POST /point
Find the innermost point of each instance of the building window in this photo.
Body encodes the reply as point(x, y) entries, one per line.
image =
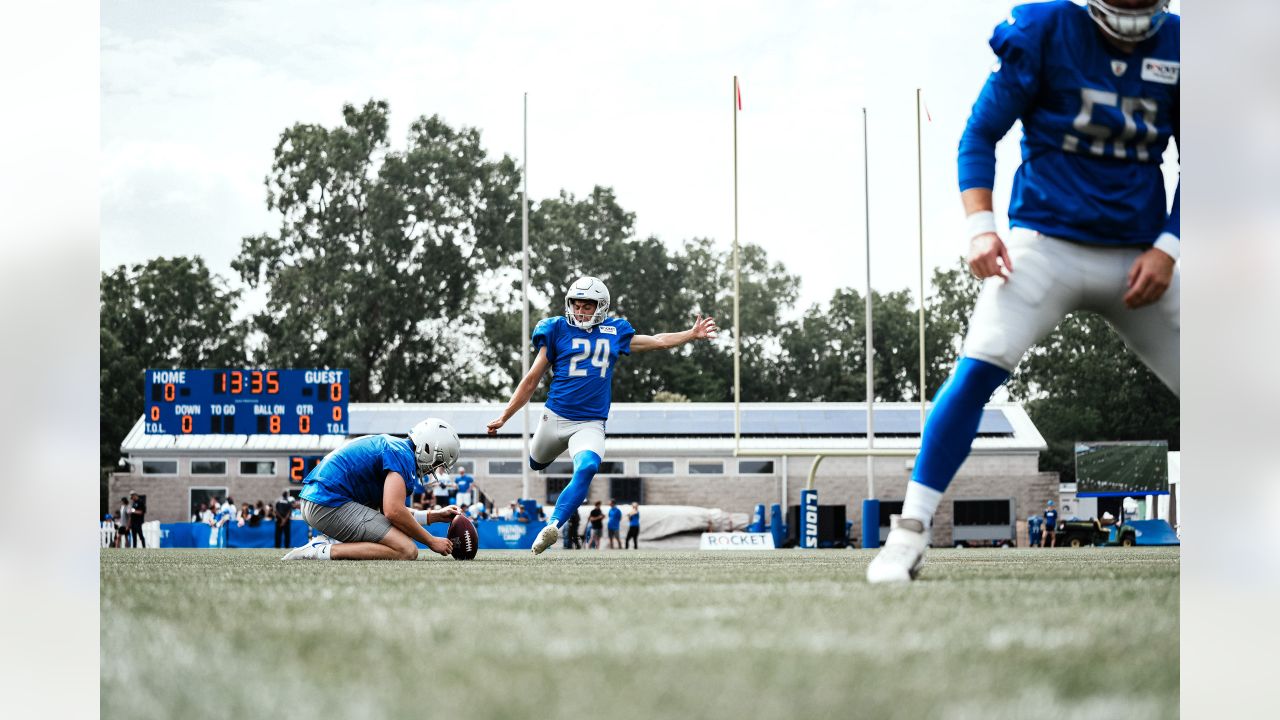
point(257, 467)
point(470, 465)
point(504, 467)
point(555, 486)
point(703, 467)
point(980, 512)
point(657, 467)
point(198, 496)
point(208, 467)
point(755, 467)
point(612, 467)
point(159, 467)
point(625, 491)
point(560, 467)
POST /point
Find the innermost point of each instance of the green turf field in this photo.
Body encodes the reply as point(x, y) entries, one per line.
point(1059, 633)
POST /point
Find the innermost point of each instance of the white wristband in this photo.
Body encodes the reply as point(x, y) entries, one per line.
point(1168, 244)
point(980, 223)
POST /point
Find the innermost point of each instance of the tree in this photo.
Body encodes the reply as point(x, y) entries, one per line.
point(166, 313)
point(375, 264)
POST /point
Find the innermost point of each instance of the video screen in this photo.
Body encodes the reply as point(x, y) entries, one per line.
point(1122, 468)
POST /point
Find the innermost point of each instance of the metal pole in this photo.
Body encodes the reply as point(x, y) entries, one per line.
point(524, 291)
point(784, 486)
point(920, 223)
point(870, 351)
point(737, 328)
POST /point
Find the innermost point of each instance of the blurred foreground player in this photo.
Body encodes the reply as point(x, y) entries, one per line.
point(582, 346)
point(359, 496)
point(1096, 89)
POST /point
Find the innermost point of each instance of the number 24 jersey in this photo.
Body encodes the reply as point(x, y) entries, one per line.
point(582, 364)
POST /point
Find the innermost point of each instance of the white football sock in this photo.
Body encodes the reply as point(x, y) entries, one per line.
point(323, 552)
point(921, 503)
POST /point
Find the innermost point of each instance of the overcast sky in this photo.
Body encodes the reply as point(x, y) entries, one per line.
point(196, 94)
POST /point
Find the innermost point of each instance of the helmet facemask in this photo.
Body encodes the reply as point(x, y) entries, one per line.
point(1131, 25)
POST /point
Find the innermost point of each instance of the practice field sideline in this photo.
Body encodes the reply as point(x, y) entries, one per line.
point(1021, 633)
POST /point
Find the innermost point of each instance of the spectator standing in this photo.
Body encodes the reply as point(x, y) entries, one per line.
point(441, 492)
point(122, 524)
point(615, 525)
point(284, 520)
point(137, 516)
point(464, 482)
point(572, 538)
point(633, 526)
point(596, 519)
point(1050, 525)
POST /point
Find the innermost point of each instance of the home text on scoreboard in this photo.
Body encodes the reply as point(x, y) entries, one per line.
point(245, 402)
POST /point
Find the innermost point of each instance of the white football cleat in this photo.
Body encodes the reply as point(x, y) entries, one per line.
point(900, 559)
point(545, 539)
point(310, 551)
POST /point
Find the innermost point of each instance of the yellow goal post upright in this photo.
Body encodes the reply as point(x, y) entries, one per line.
point(871, 536)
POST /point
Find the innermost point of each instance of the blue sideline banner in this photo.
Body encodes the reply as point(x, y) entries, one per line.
point(809, 519)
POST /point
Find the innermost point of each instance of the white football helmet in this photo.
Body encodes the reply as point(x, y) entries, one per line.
point(435, 447)
point(1129, 24)
point(587, 288)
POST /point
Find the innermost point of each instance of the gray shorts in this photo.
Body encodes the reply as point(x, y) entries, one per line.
point(555, 434)
point(351, 522)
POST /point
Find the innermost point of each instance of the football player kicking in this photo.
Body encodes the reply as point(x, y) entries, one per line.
point(582, 346)
point(1096, 89)
point(359, 494)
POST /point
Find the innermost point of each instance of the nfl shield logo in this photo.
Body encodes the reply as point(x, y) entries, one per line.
point(1118, 67)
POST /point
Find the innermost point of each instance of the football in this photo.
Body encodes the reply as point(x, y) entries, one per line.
point(466, 543)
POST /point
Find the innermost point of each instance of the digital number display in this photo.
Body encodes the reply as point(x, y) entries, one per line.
point(245, 402)
point(301, 465)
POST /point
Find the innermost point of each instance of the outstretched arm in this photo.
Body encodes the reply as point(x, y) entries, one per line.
point(703, 329)
point(524, 390)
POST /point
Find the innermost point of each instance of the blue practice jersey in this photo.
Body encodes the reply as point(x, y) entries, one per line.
point(615, 518)
point(582, 364)
point(1095, 123)
point(464, 483)
point(356, 472)
point(1051, 519)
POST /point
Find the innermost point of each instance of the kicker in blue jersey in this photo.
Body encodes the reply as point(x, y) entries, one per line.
point(582, 364)
point(1096, 121)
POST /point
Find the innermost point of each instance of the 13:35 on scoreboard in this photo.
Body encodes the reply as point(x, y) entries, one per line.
point(245, 401)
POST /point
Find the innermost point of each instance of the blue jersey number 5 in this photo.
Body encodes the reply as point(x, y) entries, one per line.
point(599, 359)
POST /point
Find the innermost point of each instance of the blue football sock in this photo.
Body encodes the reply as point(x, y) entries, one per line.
point(953, 422)
point(585, 465)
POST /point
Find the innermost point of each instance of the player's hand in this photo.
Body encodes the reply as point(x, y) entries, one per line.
point(986, 253)
point(447, 513)
point(704, 328)
point(1149, 276)
point(439, 545)
point(494, 424)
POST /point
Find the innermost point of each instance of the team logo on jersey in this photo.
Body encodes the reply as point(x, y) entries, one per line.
point(608, 330)
point(1118, 67)
point(1160, 71)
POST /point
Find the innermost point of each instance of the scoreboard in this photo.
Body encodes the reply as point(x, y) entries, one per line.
point(301, 465)
point(245, 402)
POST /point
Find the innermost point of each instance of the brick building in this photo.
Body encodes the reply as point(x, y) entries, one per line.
point(665, 454)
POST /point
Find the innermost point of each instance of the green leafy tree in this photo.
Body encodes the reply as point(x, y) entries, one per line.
point(165, 313)
point(375, 264)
